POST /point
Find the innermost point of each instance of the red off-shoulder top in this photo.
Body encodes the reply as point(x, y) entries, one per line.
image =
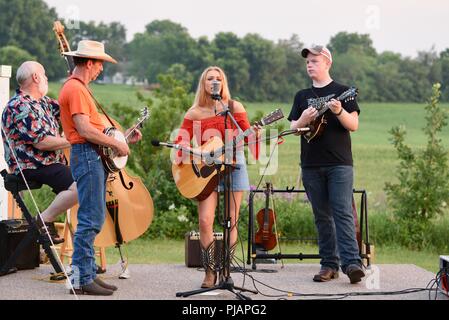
point(207, 128)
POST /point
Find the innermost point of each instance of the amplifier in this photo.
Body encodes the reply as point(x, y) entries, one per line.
point(443, 284)
point(193, 250)
point(11, 234)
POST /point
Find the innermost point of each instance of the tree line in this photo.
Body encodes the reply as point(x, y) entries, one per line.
point(258, 69)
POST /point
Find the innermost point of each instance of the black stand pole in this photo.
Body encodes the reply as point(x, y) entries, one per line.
point(252, 250)
point(226, 283)
point(14, 186)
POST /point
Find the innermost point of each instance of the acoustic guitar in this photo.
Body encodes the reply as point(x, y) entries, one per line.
point(317, 126)
point(198, 179)
point(266, 217)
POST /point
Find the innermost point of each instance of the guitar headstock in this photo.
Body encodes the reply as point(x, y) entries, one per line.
point(63, 44)
point(144, 115)
point(269, 187)
point(270, 118)
point(58, 28)
point(349, 94)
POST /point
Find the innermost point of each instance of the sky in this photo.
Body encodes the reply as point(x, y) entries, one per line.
point(401, 26)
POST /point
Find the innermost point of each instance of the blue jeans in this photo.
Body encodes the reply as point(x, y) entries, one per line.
point(88, 172)
point(329, 190)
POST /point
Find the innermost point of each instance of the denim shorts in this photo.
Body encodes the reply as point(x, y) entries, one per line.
point(239, 175)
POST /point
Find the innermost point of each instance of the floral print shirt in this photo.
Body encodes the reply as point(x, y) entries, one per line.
point(25, 122)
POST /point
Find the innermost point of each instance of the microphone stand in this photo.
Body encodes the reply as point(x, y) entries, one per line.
point(226, 283)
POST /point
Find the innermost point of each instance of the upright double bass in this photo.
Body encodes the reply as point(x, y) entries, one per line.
point(129, 205)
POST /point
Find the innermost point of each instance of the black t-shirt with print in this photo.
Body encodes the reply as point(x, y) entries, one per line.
point(333, 147)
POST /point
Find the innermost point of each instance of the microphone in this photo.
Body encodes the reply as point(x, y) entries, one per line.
point(299, 131)
point(302, 130)
point(216, 90)
point(157, 143)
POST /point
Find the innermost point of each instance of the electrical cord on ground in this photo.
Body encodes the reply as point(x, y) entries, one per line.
point(338, 296)
point(436, 285)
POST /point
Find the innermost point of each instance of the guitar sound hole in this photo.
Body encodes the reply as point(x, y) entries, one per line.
point(206, 171)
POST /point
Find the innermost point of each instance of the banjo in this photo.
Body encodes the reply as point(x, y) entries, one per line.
point(111, 161)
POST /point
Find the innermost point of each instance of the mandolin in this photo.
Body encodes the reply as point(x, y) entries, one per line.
point(266, 217)
point(317, 126)
point(197, 180)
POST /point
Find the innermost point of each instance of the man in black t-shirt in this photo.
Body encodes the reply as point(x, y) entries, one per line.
point(326, 162)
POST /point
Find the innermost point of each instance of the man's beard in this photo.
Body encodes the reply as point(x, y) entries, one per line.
point(43, 88)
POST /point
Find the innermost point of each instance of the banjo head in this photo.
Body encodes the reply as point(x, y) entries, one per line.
point(116, 163)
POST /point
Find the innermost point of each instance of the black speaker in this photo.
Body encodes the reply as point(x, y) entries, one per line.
point(12, 233)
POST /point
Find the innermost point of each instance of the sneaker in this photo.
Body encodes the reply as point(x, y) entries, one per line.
point(355, 273)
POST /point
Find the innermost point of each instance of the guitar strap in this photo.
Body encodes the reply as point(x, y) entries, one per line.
point(231, 106)
point(96, 148)
point(95, 100)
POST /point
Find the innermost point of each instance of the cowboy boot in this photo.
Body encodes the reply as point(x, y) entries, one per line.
point(231, 257)
point(208, 260)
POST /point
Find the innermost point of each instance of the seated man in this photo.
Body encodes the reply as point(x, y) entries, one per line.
point(32, 142)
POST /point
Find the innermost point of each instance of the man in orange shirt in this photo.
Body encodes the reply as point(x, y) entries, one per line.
point(84, 130)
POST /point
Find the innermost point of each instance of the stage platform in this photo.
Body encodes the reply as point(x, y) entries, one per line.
point(163, 281)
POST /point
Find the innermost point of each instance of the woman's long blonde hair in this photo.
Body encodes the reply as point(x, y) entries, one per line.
point(202, 97)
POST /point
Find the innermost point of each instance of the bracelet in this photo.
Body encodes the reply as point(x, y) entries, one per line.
point(337, 114)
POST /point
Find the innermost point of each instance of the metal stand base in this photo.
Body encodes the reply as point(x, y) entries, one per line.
point(227, 284)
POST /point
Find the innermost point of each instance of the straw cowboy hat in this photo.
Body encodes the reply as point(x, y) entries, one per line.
point(91, 49)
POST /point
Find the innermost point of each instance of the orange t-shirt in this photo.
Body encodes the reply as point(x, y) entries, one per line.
point(74, 98)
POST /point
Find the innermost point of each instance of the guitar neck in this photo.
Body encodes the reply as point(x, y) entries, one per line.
point(267, 204)
point(131, 132)
point(272, 117)
point(70, 64)
point(235, 141)
point(325, 108)
point(64, 47)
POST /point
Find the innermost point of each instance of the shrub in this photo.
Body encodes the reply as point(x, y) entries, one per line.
point(423, 188)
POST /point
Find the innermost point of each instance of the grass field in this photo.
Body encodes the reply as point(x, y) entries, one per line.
point(375, 163)
point(108, 94)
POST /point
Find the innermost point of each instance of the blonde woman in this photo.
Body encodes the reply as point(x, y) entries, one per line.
point(202, 122)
